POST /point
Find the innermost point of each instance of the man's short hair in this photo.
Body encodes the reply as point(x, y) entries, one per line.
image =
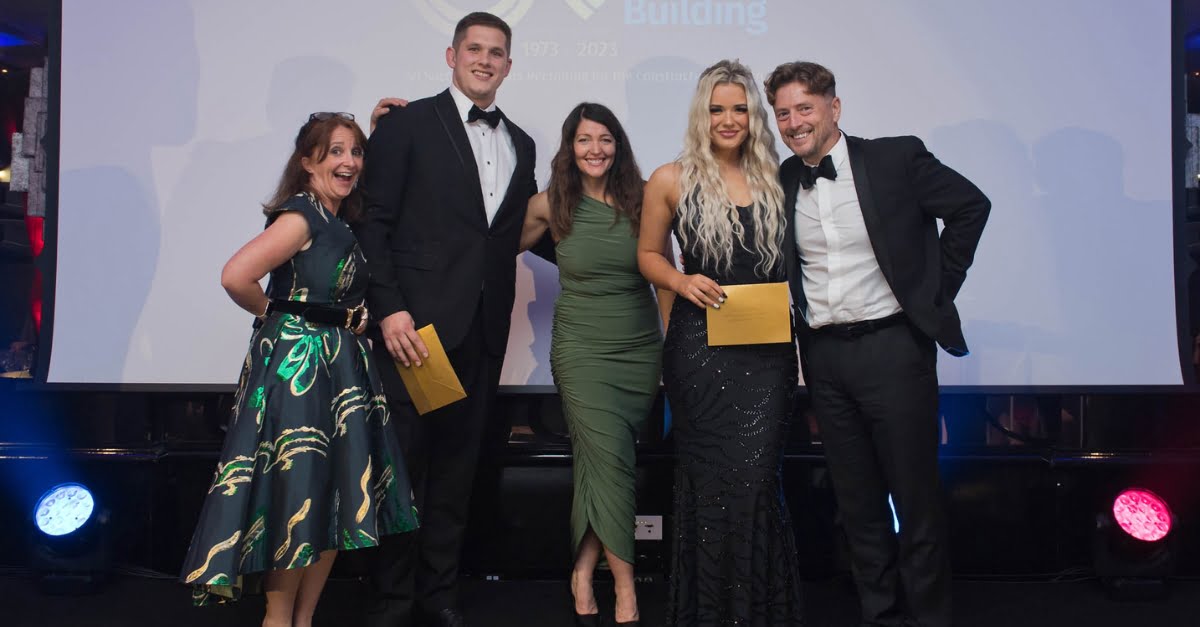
point(481, 18)
point(816, 79)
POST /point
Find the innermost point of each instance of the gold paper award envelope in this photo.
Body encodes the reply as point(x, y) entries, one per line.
point(751, 314)
point(434, 384)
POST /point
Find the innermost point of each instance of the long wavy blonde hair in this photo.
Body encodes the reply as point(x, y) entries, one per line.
point(704, 202)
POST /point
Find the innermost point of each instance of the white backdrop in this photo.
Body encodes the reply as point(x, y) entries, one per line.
point(177, 118)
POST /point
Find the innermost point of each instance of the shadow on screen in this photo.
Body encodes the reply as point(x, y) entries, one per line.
point(105, 296)
point(200, 209)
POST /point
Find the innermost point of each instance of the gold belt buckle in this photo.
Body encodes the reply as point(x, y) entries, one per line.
point(361, 309)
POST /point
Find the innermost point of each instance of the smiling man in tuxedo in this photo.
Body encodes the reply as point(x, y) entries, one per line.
point(874, 284)
point(447, 184)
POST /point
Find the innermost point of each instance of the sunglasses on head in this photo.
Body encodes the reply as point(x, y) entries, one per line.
point(321, 116)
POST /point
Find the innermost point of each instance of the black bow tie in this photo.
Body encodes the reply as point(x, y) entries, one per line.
point(492, 117)
point(809, 176)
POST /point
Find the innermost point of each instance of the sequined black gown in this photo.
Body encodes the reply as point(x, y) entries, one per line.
point(734, 561)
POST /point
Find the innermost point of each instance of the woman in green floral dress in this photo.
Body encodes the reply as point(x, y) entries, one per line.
point(309, 465)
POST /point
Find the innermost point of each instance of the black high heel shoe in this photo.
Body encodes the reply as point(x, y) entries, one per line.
point(632, 623)
point(588, 620)
point(583, 620)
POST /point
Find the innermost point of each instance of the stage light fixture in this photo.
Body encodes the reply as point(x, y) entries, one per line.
point(1142, 514)
point(64, 509)
point(1133, 549)
point(70, 549)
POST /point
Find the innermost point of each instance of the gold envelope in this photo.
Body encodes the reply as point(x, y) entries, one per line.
point(434, 384)
point(757, 313)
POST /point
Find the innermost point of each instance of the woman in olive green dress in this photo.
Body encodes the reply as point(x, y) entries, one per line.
point(606, 345)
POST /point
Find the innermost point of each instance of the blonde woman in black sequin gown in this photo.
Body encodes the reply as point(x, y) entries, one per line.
point(734, 561)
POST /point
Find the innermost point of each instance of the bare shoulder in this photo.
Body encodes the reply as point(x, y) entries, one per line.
point(666, 174)
point(664, 183)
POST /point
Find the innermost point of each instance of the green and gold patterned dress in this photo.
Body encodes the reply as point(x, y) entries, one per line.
point(606, 355)
point(309, 462)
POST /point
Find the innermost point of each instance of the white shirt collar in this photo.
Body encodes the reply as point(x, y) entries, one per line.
point(463, 103)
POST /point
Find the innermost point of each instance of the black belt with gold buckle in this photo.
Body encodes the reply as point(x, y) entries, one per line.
point(320, 314)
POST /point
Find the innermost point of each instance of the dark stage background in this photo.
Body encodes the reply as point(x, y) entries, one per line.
point(1024, 476)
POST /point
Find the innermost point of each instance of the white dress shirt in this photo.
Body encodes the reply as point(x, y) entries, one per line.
point(842, 279)
point(495, 154)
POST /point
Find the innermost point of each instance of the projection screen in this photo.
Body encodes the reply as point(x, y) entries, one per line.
point(176, 119)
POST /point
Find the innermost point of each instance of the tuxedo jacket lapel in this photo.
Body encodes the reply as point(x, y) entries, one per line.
point(448, 115)
point(866, 201)
point(791, 251)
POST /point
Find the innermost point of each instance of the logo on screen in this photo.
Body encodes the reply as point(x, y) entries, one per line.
point(584, 8)
point(749, 15)
point(444, 16)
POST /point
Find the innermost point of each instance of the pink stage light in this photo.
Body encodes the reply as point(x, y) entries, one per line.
point(1142, 514)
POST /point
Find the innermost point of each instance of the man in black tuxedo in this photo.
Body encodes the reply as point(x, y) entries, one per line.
point(874, 285)
point(447, 183)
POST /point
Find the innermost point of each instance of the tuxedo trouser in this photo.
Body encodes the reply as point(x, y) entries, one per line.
point(418, 571)
point(875, 398)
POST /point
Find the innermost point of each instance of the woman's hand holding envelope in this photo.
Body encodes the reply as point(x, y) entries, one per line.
point(701, 290)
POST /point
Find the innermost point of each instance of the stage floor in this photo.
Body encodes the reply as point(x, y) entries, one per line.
point(136, 602)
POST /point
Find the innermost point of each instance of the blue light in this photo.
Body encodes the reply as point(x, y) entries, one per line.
point(895, 518)
point(9, 39)
point(63, 509)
